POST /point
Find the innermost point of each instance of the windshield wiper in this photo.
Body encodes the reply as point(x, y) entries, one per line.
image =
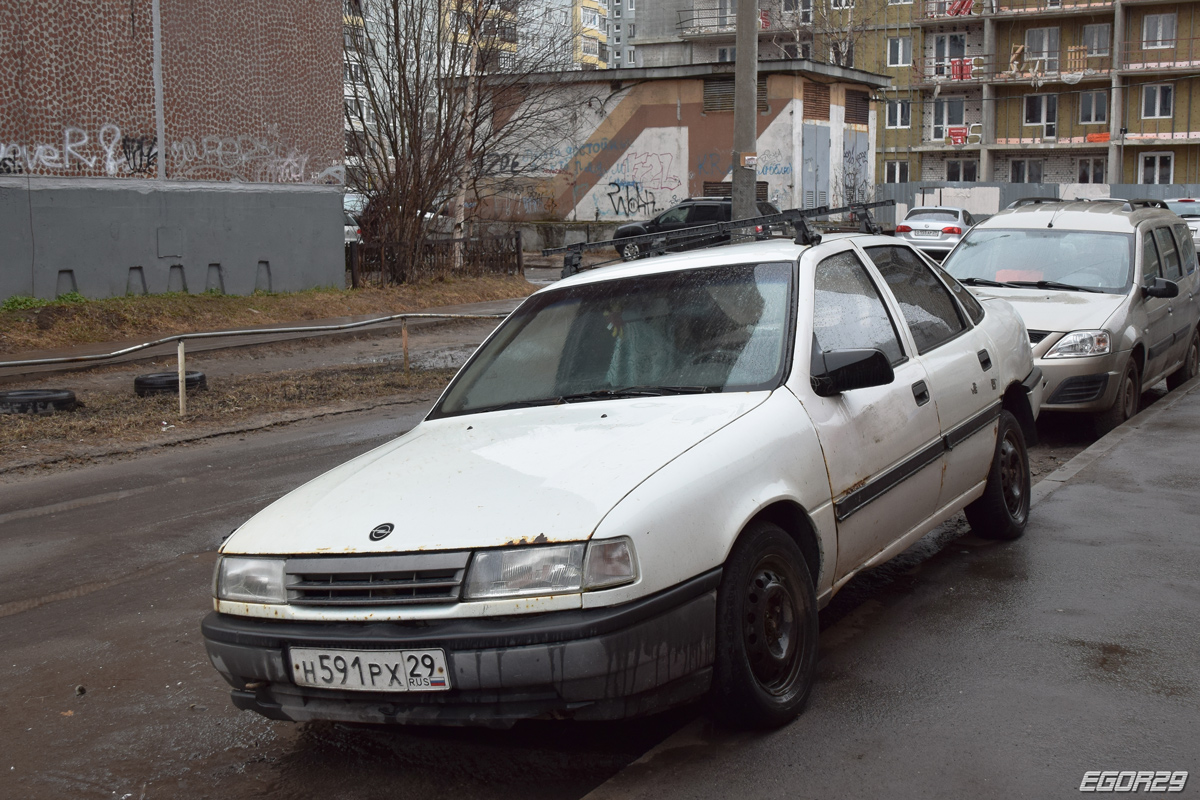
point(635, 391)
point(983, 282)
point(1070, 287)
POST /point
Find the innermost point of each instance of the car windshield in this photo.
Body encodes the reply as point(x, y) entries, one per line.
point(932, 215)
point(701, 330)
point(1041, 257)
point(1184, 208)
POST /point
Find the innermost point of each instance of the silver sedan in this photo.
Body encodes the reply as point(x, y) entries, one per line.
point(935, 229)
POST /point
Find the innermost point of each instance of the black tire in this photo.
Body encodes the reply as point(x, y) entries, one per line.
point(168, 383)
point(1003, 510)
point(37, 401)
point(1129, 393)
point(631, 251)
point(766, 631)
point(1190, 366)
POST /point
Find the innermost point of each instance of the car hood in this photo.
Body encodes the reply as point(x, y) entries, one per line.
point(1056, 311)
point(484, 480)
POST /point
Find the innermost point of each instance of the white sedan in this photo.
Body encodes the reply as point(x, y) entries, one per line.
point(638, 491)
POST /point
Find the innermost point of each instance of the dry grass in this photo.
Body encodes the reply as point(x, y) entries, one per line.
point(119, 421)
point(153, 316)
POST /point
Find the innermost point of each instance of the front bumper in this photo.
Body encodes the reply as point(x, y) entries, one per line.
point(603, 663)
point(1082, 384)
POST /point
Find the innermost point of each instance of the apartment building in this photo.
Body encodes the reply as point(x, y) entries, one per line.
point(1022, 91)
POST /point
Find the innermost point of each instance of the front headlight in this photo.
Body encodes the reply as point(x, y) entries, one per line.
point(554, 569)
point(249, 580)
point(1081, 343)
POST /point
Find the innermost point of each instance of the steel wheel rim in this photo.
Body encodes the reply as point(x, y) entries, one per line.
point(1012, 476)
point(1193, 360)
point(771, 626)
point(1129, 392)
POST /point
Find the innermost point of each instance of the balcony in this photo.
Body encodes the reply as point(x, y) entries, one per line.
point(703, 22)
point(1170, 55)
point(945, 10)
point(1071, 65)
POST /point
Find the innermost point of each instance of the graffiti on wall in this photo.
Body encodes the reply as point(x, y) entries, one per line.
point(630, 199)
point(115, 153)
point(646, 170)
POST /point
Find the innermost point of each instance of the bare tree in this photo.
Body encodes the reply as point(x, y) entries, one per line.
point(822, 30)
point(439, 96)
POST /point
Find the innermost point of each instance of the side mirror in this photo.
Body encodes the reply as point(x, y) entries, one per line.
point(1161, 288)
point(838, 371)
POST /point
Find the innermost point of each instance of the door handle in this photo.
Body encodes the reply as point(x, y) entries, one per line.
point(920, 392)
point(985, 360)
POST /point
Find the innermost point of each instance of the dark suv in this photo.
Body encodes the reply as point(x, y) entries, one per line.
point(688, 214)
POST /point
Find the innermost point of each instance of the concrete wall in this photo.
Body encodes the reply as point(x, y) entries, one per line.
point(104, 240)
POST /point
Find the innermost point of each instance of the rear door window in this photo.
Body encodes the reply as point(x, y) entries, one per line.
point(1168, 254)
point(705, 213)
point(1187, 246)
point(931, 313)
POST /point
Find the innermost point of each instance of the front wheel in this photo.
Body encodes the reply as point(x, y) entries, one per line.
point(766, 631)
point(1003, 510)
point(631, 251)
point(1190, 366)
point(1129, 392)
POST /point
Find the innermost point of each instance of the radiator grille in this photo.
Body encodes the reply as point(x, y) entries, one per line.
point(410, 579)
point(1037, 336)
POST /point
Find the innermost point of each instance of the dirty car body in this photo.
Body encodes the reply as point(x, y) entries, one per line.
point(639, 490)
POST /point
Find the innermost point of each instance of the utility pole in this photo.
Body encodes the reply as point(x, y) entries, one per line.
point(745, 111)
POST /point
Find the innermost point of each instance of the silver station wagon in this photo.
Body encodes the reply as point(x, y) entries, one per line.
point(1108, 290)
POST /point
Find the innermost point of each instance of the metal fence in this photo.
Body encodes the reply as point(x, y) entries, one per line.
point(386, 263)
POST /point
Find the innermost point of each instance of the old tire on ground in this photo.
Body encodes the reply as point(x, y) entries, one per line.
point(1129, 393)
point(1003, 509)
point(37, 401)
point(766, 631)
point(631, 251)
point(168, 383)
point(1190, 366)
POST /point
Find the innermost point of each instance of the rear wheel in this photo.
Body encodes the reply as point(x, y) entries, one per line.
point(1190, 366)
point(630, 251)
point(1003, 510)
point(1129, 392)
point(766, 631)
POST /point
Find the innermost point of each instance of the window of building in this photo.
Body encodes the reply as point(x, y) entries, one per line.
point(1096, 38)
point(353, 38)
point(1157, 168)
point(1025, 170)
point(1042, 110)
point(803, 8)
point(629, 56)
point(1093, 108)
point(590, 17)
point(947, 112)
point(354, 72)
point(629, 5)
point(1158, 101)
point(898, 114)
point(900, 2)
point(899, 51)
point(590, 46)
point(1158, 31)
point(841, 3)
point(962, 169)
point(895, 172)
point(1092, 170)
point(947, 47)
point(632, 30)
point(726, 54)
point(617, 12)
point(1041, 44)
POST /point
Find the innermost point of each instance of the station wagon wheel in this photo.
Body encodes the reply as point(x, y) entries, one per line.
point(631, 251)
point(766, 631)
point(1003, 509)
point(1129, 393)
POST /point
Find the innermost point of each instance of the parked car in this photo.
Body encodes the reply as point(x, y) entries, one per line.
point(690, 213)
point(1188, 208)
point(934, 229)
point(1108, 290)
point(353, 231)
point(639, 490)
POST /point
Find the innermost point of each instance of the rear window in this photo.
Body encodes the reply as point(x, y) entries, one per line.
point(1185, 208)
point(932, 215)
point(1088, 259)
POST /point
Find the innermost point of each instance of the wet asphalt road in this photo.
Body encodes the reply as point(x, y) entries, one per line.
point(963, 668)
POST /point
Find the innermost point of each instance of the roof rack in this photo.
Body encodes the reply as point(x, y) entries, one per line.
point(657, 243)
point(1143, 202)
point(1033, 201)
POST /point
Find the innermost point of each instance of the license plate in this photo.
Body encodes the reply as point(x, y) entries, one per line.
point(927, 233)
point(371, 670)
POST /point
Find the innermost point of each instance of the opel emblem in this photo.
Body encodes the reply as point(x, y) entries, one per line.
point(382, 531)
